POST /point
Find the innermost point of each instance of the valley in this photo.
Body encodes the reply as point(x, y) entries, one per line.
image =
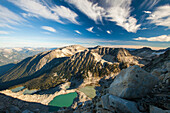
point(89, 76)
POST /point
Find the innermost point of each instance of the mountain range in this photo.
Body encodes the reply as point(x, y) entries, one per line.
point(73, 63)
point(14, 55)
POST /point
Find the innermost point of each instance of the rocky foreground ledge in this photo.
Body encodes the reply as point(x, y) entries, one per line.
point(132, 91)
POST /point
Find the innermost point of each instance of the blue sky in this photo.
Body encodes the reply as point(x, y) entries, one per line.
point(56, 23)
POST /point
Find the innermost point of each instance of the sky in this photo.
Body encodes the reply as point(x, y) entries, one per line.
point(57, 23)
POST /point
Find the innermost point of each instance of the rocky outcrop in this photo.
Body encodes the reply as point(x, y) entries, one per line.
point(154, 109)
point(111, 102)
point(132, 82)
point(155, 101)
point(160, 62)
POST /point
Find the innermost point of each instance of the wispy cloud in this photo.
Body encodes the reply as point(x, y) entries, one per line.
point(161, 16)
point(8, 18)
point(77, 32)
point(148, 12)
point(39, 8)
point(90, 29)
point(26, 15)
point(162, 38)
point(48, 28)
point(109, 32)
point(4, 32)
point(93, 11)
point(112, 10)
point(149, 4)
point(119, 11)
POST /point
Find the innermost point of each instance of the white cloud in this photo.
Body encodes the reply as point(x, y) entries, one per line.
point(8, 18)
point(161, 16)
point(42, 9)
point(26, 15)
point(149, 4)
point(77, 32)
point(51, 29)
point(162, 38)
point(93, 11)
point(4, 32)
point(109, 32)
point(148, 12)
point(144, 28)
point(112, 10)
point(90, 29)
point(119, 11)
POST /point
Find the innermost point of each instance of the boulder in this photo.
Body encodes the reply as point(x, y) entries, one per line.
point(105, 101)
point(154, 109)
point(14, 109)
point(133, 82)
point(119, 105)
point(27, 111)
point(122, 105)
point(156, 72)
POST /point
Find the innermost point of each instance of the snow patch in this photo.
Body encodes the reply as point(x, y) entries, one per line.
point(159, 53)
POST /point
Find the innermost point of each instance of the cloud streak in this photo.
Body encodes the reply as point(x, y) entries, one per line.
point(4, 32)
point(8, 18)
point(78, 32)
point(149, 4)
point(109, 32)
point(161, 16)
point(112, 10)
point(39, 8)
point(48, 28)
point(162, 38)
point(93, 11)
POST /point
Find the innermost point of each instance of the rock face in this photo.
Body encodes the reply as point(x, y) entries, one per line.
point(132, 82)
point(154, 109)
point(121, 105)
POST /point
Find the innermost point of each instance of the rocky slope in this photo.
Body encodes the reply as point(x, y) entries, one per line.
point(75, 69)
point(31, 67)
point(146, 54)
point(158, 62)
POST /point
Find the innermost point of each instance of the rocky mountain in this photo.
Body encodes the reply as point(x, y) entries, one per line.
point(68, 64)
point(14, 55)
point(146, 54)
point(27, 68)
point(159, 62)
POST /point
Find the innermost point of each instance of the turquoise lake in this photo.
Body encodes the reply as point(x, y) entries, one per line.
point(65, 100)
